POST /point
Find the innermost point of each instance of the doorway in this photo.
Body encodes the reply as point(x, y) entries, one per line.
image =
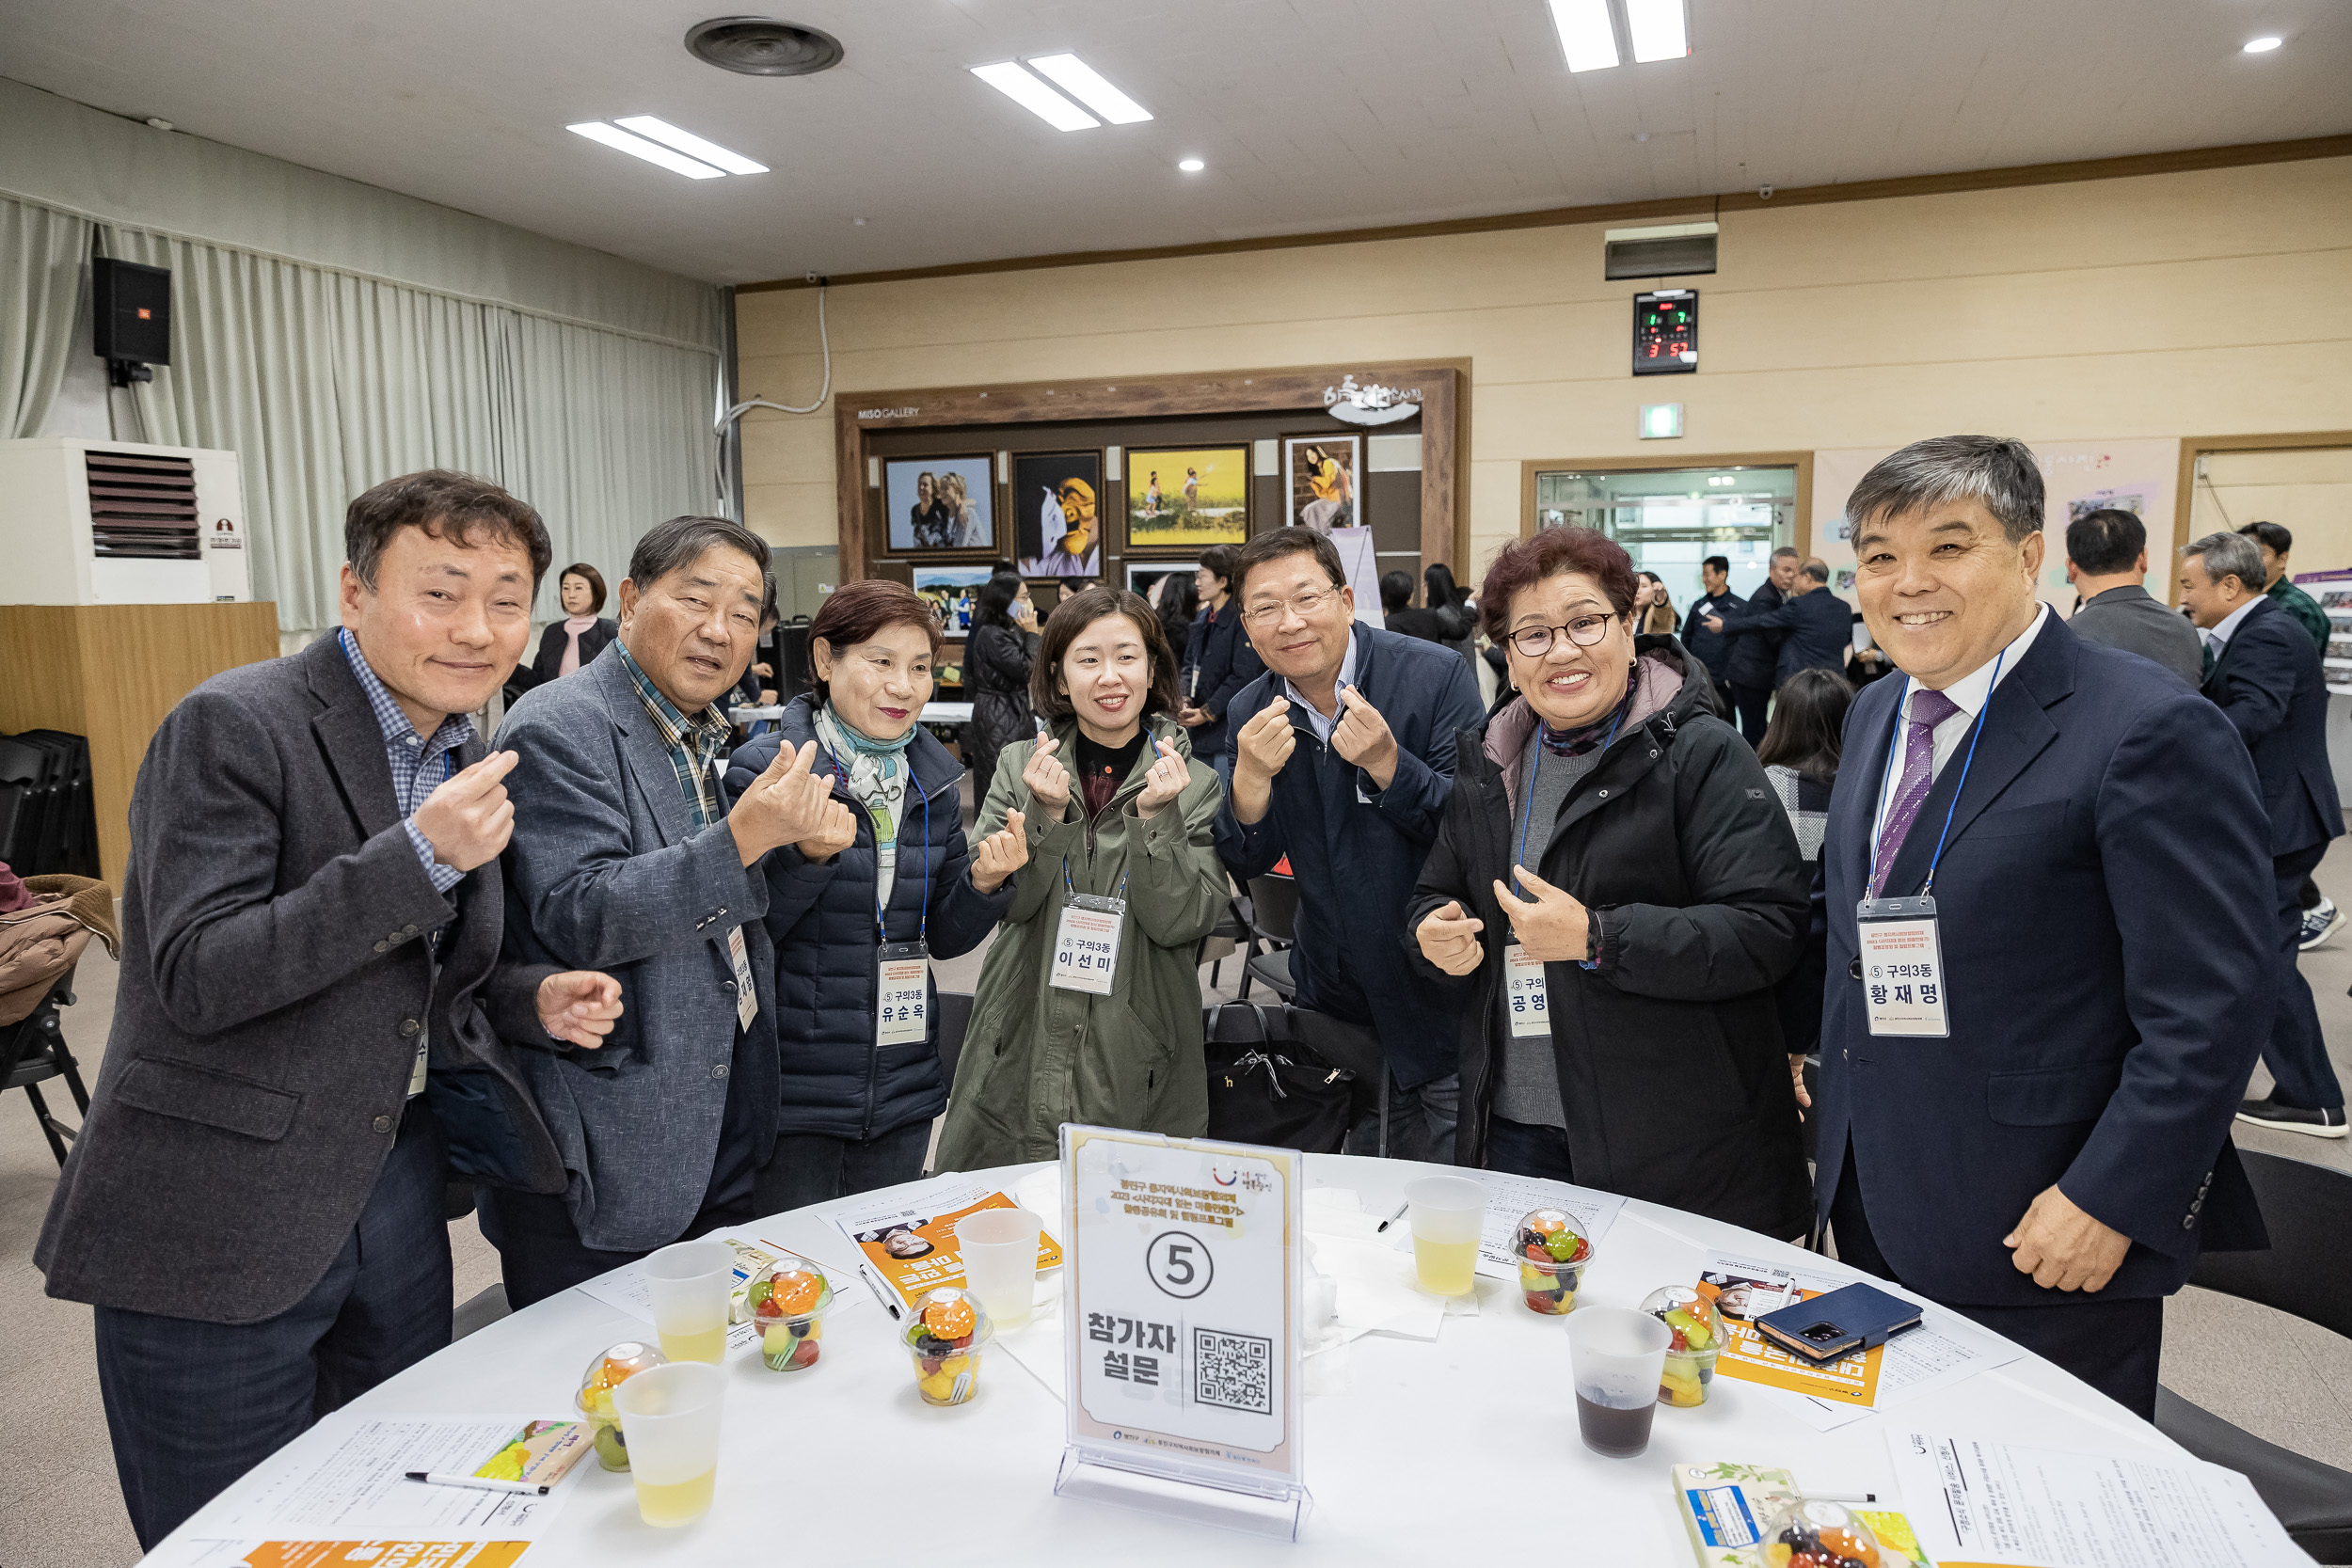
point(1670, 518)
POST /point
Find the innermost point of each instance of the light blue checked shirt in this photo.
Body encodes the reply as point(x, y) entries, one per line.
point(419, 765)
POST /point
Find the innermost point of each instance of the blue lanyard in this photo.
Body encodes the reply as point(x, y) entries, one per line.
point(923, 931)
point(1070, 888)
point(1543, 728)
point(1950, 806)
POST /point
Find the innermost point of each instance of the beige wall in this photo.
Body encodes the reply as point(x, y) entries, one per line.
point(2310, 492)
point(2206, 303)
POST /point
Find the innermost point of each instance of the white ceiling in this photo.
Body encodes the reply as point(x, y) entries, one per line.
point(1311, 113)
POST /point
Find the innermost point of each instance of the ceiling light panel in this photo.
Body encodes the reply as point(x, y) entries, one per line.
point(1657, 29)
point(1087, 84)
point(1036, 97)
point(1585, 36)
point(692, 145)
point(638, 147)
point(2260, 45)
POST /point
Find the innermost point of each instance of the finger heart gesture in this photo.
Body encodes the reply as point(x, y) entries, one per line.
point(1001, 854)
point(1552, 927)
point(1165, 781)
point(1046, 779)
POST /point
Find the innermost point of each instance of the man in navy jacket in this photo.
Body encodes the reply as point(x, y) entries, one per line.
point(1819, 623)
point(2264, 675)
point(1751, 669)
point(1699, 628)
point(2050, 1162)
point(1342, 758)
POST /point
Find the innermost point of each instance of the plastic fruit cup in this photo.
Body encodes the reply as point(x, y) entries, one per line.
point(607, 1371)
point(671, 1417)
point(788, 1301)
point(1548, 1280)
point(948, 1329)
point(1696, 1339)
point(1820, 1532)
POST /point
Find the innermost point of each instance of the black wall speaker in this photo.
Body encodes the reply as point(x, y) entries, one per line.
point(131, 316)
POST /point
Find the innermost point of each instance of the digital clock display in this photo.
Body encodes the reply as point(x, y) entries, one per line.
point(1666, 332)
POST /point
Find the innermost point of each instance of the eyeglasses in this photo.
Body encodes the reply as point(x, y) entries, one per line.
point(1308, 605)
point(1584, 631)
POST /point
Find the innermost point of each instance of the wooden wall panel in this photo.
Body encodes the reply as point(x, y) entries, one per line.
point(111, 672)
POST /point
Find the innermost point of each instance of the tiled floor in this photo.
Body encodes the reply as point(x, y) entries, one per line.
point(2283, 1380)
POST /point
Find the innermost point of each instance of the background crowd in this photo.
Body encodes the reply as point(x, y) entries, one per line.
point(1603, 926)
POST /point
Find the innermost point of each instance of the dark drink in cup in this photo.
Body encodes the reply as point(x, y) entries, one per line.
point(1612, 1431)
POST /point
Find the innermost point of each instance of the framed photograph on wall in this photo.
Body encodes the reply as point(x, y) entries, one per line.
point(952, 591)
point(1185, 499)
point(940, 503)
point(1057, 530)
point(1321, 480)
point(1143, 576)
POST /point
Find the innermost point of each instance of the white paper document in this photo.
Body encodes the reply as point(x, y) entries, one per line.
point(1984, 1502)
point(346, 1480)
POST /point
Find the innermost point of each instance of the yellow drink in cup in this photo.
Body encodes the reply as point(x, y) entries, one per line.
point(709, 1344)
point(679, 1502)
point(670, 1416)
point(1445, 1268)
point(689, 1285)
point(1448, 1212)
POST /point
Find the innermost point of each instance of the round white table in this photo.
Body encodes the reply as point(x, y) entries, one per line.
point(1437, 1449)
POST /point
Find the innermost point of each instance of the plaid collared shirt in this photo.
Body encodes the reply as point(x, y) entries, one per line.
point(691, 742)
point(419, 765)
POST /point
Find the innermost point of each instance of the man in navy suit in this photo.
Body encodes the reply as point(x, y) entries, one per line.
point(1749, 668)
point(2264, 674)
point(2051, 1159)
point(1819, 624)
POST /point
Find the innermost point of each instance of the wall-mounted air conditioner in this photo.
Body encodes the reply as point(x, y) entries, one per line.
point(113, 522)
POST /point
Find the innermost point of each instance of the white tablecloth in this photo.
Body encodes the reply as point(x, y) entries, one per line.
point(1436, 1449)
point(946, 713)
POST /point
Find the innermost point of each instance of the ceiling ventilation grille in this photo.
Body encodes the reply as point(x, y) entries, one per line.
point(1670, 250)
point(762, 46)
point(141, 506)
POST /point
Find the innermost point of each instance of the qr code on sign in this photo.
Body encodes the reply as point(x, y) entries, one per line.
point(1232, 1371)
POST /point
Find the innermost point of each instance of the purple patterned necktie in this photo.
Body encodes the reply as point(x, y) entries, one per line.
point(1928, 709)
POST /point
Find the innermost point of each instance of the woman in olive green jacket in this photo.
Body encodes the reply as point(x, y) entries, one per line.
point(1114, 807)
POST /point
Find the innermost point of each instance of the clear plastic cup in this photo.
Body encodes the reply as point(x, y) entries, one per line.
point(1448, 1212)
point(690, 1283)
point(1697, 1340)
point(949, 1327)
point(611, 1367)
point(787, 1302)
point(1828, 1531)
point(999, 1249)
point(670, 1416)
point(1614, 1358)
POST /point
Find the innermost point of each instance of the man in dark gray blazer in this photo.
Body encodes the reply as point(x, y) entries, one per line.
point(626, 857)
point(305, 1040)
point(2106, 560)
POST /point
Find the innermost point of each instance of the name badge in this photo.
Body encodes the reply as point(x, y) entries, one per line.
point(746, 995)
point(1523, 993)
point(1902, 967)
point(1086, 946)
point(902, 993)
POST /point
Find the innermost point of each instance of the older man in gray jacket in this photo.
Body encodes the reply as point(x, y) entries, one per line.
point(303, 1042)
point(627, 857)
point(2106, 560)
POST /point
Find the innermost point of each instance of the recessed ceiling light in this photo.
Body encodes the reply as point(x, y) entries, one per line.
point(1191, 166)
point(2260, 45)
point(1087, 84)
point(1585, 37)
point(638, 147)
point(692, 145)
point(1657, 29)
point(1036, 97)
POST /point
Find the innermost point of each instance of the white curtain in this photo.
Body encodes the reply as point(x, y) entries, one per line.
point(41, 257)
point(327, 383)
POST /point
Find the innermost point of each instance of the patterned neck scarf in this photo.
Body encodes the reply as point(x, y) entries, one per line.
point(876, 773)
point(1575, 743)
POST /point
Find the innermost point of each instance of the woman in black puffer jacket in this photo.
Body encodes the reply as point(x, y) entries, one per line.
point(857, 1104)
point(996, 662)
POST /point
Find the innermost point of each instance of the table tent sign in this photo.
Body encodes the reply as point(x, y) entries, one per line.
point(1182, 1300)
